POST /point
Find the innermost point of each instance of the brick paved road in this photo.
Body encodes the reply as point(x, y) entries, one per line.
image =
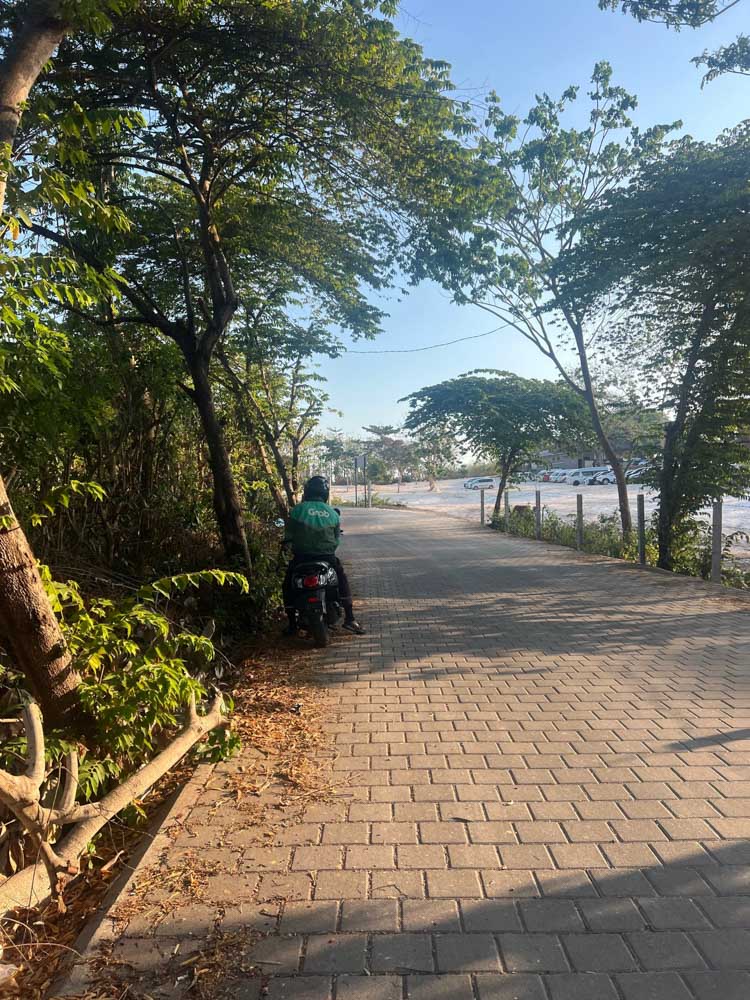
point(550, 788)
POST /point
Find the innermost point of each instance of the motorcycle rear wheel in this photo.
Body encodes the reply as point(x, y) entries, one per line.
point(319, 630)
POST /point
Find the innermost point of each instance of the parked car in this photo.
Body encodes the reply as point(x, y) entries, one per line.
point(579, 477)
point(637, 474)
point(542, 476)
point(482, 483)
point(557, 475)
point(605, 478)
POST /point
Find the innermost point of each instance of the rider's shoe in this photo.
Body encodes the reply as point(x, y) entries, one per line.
point(354, 626)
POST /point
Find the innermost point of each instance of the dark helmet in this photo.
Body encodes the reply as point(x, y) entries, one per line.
point(317, 488)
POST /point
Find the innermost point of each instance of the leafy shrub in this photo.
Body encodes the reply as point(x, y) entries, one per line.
point(138, 671)
point(692, 548)
point(521, 521)
point(559, 530)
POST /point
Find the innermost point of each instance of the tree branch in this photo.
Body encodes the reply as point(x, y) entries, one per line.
point(27, 889)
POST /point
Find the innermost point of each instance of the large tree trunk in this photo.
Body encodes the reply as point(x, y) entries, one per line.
point(669, 489)
point(41, 31)
point(612, 457)
point(619, 473)
point(28, 625)
point(505, 470)
point(227, 505)
point(27, 621)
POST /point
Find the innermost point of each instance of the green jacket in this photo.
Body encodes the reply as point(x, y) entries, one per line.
point(313, 528)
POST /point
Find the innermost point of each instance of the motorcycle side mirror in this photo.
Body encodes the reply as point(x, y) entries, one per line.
point(338, 510)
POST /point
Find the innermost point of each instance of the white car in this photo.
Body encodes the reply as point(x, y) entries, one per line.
point(603, 479)
point(557, 475)
point(579, 477)
point(482, 483)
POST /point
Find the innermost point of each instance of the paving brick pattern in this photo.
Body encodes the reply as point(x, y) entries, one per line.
point(545, 764)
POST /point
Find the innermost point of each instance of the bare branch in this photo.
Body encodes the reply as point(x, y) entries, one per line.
point(32, 720)
point(28, 888)
point(69, 783)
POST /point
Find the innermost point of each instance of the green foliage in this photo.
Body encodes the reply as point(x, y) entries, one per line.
point(600, 537)
point(672, 252)
point(60, 496)
point(675, 13)
point(732, 58)
point(182, 581)
point(139, 670)
point(334, 165)
point(557, 172)
point(371, 115)
point(397, 456)
point(634, 429)
point(278, 397)
point(520, 521)
point(499, 415)
point(603, 536)
point(377, 501)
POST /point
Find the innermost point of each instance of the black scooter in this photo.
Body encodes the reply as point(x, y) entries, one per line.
point(315, 589)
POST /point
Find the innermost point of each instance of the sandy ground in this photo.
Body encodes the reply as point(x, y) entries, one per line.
point(451, 498)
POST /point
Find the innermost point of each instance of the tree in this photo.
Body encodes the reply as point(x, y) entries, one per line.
point(31, 32)
point(558, 174)
point(675, 13)
point(673, 250)
point(634, 428)
point(498, 415)
point(732, 58)
point(333, 452)
point(434, 451)
point(377, 470)
point(334, 157)
point(396, 454)
point(279, 399)
point(23, 795)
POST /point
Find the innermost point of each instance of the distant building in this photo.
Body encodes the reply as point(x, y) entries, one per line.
point(561, 460)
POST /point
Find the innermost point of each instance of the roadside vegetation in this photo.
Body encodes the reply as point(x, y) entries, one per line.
point(179, 239)
point(603, 536)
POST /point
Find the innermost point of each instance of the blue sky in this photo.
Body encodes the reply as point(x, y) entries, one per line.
point(519, 49)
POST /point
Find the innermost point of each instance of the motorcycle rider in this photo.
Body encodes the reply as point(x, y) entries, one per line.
point(313, 531)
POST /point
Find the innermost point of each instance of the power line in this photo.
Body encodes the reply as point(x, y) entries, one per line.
point(432, 347)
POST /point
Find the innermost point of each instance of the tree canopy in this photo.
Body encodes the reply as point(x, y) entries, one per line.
point(331, 161)
point(676, 13)
point(672, 249)
point(499, 415)
point(557, 172)
point(731, 58)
